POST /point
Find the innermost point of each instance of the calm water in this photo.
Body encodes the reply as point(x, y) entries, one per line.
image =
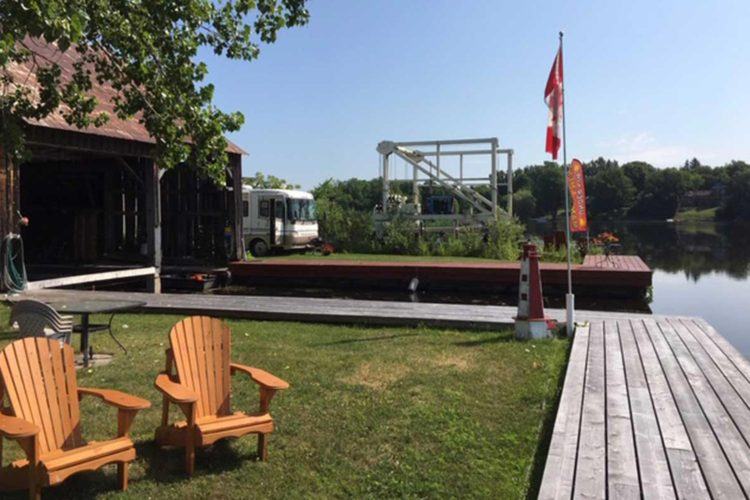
point(699, 270)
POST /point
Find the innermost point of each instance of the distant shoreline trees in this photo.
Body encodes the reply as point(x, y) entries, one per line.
point(633, 191)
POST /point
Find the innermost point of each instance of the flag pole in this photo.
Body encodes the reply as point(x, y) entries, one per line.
point(569, 297)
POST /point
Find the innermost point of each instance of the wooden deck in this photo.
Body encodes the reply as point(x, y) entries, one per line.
point(651, 407)
point(372, 312)
point(627, 274)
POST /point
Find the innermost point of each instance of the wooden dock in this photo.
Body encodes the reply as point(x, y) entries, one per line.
point(372, 312)
point(651, 407)
point(624, 274)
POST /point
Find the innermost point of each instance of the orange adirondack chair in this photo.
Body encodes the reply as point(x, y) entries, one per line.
point(38, 376)
point(201, 387)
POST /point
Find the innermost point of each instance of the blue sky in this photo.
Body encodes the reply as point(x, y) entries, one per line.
point(660, 81)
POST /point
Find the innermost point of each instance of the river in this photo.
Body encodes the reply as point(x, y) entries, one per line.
point(700, 269)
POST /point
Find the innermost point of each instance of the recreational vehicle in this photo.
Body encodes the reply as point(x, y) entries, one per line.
point(277, 219)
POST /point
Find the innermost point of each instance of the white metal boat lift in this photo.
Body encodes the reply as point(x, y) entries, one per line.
point(426, 168)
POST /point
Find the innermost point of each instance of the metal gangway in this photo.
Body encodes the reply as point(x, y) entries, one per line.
point(424, 158)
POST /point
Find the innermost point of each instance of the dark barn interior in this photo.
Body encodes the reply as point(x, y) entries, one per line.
point(95, 202)
point(93, 210)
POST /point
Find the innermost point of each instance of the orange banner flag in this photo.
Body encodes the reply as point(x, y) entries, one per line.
point(577, 185)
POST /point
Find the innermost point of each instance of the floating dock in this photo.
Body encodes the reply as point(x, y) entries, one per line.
point(623, 275)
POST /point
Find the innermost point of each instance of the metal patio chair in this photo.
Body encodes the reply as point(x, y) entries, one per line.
point(37, 319)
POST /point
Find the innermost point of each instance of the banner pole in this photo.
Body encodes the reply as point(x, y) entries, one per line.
point(569, 297)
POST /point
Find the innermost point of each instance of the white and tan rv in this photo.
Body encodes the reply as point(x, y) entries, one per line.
point(277, 219)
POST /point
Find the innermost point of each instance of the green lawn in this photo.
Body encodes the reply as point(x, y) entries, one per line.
point(372, 412)
point(377, 257)
point(695, 215)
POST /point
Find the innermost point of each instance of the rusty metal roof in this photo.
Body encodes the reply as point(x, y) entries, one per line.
point(132, 129)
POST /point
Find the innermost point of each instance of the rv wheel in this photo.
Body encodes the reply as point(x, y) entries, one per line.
point(258, 248)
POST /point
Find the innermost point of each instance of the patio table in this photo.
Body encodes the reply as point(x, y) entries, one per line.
point(86, 307)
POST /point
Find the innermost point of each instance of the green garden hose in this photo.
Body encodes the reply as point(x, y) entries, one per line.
point(14, 270)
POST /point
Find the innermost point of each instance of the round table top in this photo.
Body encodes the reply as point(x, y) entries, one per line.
point(93, 306)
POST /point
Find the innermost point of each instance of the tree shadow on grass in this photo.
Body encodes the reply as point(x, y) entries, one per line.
point(367, 339)
point(494, 339)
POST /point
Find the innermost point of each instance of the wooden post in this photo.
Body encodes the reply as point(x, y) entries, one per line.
point(152, 185)
point(235, 164)
point(9, 193)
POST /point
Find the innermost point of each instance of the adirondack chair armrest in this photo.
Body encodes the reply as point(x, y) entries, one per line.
point(175, 392)
point(117, 399)
point(260, 377)
point(16, 428)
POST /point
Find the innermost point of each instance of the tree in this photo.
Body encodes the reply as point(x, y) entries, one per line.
point(547, 183)
point(524, 204)
point(736, 204)
point(637, 172)
point(610, 192)
point(147, 52)
point(661, 195)
point(260, 181)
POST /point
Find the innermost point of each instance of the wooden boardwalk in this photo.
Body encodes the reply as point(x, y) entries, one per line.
point(315, 310)
point(651, 407)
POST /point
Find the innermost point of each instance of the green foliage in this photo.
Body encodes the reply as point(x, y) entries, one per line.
point(546, 183)
point(147, 52)
point(355, 194)
point(348, 230)
point(500, 240)
point(661, 195)
point(736, 205)
point(261, 181)
point(637, 172)
point(524, 204)
point(610, 192)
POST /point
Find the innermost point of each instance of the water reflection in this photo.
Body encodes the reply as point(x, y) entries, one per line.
point(695, 249)
point(700, 269)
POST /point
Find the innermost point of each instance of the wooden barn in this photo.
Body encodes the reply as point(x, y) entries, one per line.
point(96, 199)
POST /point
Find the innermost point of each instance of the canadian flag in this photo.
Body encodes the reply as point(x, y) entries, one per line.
point(553, 98)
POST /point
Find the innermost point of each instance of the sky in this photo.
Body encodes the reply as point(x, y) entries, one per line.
point(659, 81)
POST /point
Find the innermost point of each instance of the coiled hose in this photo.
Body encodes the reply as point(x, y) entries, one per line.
point(14, 270)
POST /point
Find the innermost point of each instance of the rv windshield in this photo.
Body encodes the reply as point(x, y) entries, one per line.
point(300, 210)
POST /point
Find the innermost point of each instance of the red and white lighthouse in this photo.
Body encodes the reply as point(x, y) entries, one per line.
point(530, 321)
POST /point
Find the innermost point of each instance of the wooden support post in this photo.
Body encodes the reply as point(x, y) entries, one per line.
point(235, 164)
point(152, 185)
point(9, 193)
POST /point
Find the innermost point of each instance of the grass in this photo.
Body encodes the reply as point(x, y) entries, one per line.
point(553, 255)
point(695, 215)
point(376, 257)
point(372, 412)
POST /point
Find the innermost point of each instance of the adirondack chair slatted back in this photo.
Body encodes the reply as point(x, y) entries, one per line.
point(38, 376)
point(201, 347)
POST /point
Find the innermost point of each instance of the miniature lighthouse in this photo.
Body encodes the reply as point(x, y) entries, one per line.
point(530, 321)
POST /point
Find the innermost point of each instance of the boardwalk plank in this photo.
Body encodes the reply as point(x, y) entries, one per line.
point(724, 363)
point(716, 399)
point(742, 364)
point(717, 471)
point(559, 468)
point(683, 463)
point(622, 469)
point(652, 459)
point(590, 480)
